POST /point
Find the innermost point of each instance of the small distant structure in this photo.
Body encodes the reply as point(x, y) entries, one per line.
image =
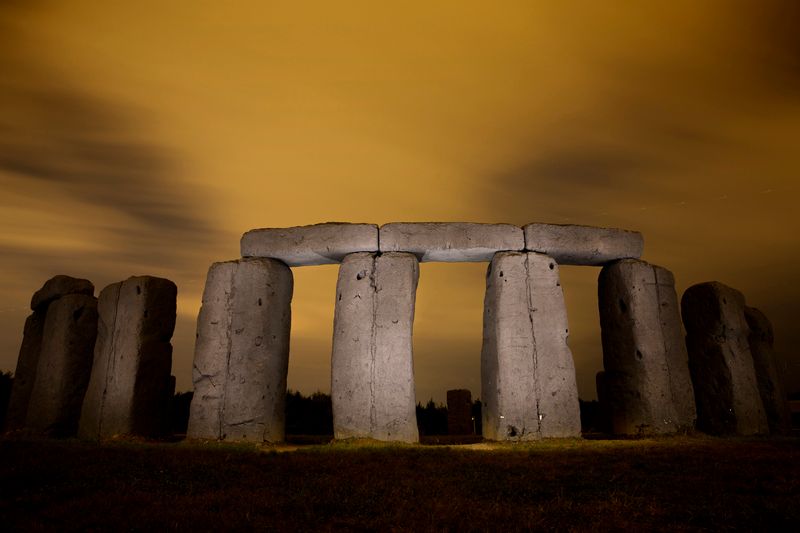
point(459, 412)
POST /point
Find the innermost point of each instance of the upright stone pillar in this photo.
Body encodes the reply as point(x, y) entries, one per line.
point(372, 368)
point(527, 373)
point(649, 388)
point(720, 361)
point(770, 385)
point(242, 352)
point(128, 391)
point(459, 412)
point(64, 365)
point(28, 360)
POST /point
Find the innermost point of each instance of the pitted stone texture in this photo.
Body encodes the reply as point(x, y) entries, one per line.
point(459, 412)
point(644, 355)
point(25, 373)
point(65, 362)
point(372, 367)
point(765, 362)
point(59, 286)
point(527, 373)
point(242, 352)
point(128, 392)
point(319, 244)
point(450, 241)
point(720, 361)
point(583, 245)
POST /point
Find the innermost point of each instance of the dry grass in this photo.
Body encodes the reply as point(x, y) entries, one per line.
point(686, 483)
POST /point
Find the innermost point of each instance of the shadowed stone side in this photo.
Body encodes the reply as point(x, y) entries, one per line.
point(372, 367)
point(319, 244)
point(65, 362)
point(25, 373)
point(450, 241)
point(459, 412)
point(527, 373)
point(770, 385)
point(242, 352)
point(58, 286)
point(649, 389)
point(720, 361)
point(583, 245)
point(129, 387)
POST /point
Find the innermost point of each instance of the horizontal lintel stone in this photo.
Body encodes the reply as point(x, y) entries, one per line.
point(450, 241)
point(583, 245)
point(319, 244)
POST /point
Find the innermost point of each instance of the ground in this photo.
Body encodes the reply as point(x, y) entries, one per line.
point(680, 483)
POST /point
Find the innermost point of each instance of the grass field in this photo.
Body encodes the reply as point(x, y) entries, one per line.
point(683, 483)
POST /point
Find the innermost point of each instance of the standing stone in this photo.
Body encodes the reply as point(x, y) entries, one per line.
point(770, 385)
point(644, 356)
point(459, 412)
point(527, 373)
point(128, 390)
point(603, 421)
point(65, 362)
point(242, 352)
point(58, 286)
point(25, 373)
point(720, 361)
point(372, 367)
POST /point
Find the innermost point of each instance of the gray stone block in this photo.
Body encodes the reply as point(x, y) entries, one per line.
point(65, 362)
point(59, 286)
point(242, 352)
point(770, 385)
point(644, 355)
point(723, 375)
point(319, 244)
point(527, 373)
point(372, 368)
point(128, 390)
point(25, 373)
point(450, 241)
point(583, 245)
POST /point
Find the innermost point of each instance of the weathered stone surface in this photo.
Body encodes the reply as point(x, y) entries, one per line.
point(59, 286)
point(459, 412)
point(450, 241)
point(527, 373)
point(644, 355)
point(372, 368)
point(242, 352)
point(770, 385)
point(319, 244)
point(602, 383)
point(25, 373)
point(128, 390)
point(65, 362)
point(583, 245)
point(720, 361)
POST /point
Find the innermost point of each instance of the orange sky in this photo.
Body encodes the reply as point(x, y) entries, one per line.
point(146, 138)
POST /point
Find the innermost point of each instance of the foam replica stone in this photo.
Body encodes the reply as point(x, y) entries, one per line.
point(770, 385)
point(451, 241)
point(65, 362)
point(242, 352)
point(319, 244)
point(527, 373)
point(644, 354)
point(372, 368)
point(25, 373)
point(128, 392)
point(720, 361)
point(583, 245)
